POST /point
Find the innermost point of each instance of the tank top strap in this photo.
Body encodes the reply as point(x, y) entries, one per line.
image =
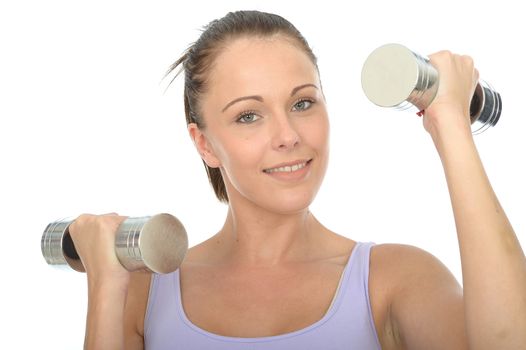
point(355, 304)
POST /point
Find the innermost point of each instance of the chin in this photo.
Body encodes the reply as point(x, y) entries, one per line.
point(288, 204)
point(276, 200)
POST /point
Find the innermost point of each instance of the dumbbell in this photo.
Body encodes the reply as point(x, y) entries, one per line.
point(150, 243)
point(394, 76)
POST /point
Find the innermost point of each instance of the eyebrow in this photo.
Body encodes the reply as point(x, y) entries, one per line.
point(260, 99)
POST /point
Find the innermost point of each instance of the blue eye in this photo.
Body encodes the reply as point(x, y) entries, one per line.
point(250, 116)
point(303, 104)
point(247, 117)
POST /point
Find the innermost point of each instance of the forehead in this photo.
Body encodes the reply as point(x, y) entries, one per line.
point(258, 64)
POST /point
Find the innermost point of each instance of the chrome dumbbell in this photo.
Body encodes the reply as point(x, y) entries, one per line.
point(396, 77)
point(151, 243)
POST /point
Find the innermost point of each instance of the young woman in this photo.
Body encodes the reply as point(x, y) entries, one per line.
point(274, 277)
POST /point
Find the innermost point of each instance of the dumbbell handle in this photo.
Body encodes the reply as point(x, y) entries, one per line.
point(152, 243)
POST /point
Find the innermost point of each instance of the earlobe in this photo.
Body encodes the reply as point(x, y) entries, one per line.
point(203, 146)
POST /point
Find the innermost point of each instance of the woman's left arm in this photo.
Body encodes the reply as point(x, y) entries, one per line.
point(493, 263)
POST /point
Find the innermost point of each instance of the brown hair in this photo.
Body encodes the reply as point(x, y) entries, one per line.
point(199, 57)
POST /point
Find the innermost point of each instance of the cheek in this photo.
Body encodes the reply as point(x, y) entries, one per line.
point(242, 153)
point(317, 135)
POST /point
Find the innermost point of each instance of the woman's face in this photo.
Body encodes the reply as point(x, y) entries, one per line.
point(264, 107)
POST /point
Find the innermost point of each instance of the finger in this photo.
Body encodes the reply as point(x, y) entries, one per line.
point(468, 59)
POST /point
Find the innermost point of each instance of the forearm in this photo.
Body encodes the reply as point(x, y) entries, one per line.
point(105, 320)
point(493, 263)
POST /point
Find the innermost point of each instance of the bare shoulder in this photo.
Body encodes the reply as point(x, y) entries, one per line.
point(405, 259)
point(135, 309)
point(423, 298)
point(408, 271)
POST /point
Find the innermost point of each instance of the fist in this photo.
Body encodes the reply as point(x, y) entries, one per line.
point(94, 239)
point(458, 79)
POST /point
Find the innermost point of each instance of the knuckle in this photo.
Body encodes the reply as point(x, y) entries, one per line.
point(77, 223)
point(84, 217)
point(445, 53)
point(441, 57)
point(108, 222)
point(92, 223)
point(467, 59)
point(95, 223)
point(101, 223)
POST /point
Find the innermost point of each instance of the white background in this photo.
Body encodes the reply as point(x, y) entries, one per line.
point(85, 127)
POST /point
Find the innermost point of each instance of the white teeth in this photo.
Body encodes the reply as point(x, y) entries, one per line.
point(287, 169)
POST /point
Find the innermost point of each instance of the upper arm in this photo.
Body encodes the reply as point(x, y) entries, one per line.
point(135, 309)
point(426, 303)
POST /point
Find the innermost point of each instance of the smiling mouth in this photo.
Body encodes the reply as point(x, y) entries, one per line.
point(288, 169)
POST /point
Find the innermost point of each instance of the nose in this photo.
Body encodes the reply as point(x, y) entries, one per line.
point(285, 135)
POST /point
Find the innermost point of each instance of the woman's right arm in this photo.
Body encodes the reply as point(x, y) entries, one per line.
point(135, 310)
point(109, 323)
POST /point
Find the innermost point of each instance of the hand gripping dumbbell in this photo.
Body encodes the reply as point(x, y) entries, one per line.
point(151, 243)
point(396, 77)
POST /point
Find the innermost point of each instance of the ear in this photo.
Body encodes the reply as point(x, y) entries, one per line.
point(203, 146)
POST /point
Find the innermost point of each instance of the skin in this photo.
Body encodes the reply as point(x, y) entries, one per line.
point(269, 226)
point(268, 221)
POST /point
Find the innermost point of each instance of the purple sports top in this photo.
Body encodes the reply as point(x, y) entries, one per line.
point(348, 324)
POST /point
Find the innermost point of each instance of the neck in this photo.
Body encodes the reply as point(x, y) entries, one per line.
point(253, 237)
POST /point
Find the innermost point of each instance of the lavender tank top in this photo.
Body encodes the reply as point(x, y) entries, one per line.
point(348, 324)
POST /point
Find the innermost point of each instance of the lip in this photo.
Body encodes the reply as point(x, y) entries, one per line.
point(296, 162)
point(293, 176)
